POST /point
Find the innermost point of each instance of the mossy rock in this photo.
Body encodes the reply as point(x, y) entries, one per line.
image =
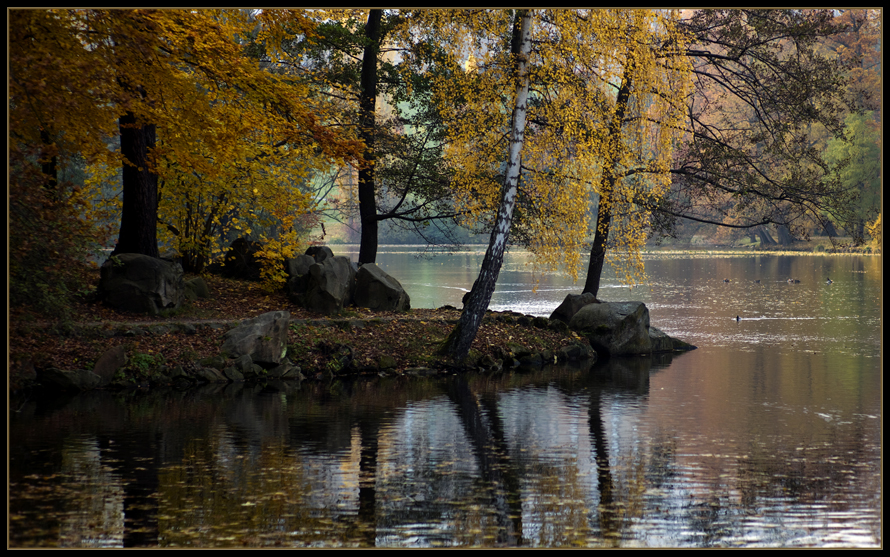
point(217, 362)
point(386, 362)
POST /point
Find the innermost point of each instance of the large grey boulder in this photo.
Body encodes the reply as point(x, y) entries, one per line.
point(330, 286)
point(376, 290)
point(298, 277)
point(661, 342)
point(615, 328)
point(263, 338)
point(320, 253)
point(571, 305)
point(141, 284)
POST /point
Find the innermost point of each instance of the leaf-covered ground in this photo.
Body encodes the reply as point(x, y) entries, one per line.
point(396, 341)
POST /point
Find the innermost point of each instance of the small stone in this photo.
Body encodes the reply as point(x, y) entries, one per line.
point(420, 371)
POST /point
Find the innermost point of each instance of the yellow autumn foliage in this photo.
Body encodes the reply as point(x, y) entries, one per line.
point(578, 61)
point(875, 231)
point(236, 140)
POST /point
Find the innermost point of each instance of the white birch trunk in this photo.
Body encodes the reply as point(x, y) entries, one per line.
point(474, 310)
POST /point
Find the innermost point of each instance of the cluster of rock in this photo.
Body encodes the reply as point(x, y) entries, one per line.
point(516, 356)
point(318, 280)
point(325, 283)
point(256, 349)
point(615, 328)
point(139, 283)
point(321, 281)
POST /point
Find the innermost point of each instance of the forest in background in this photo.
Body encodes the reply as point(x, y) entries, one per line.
point(153, 131)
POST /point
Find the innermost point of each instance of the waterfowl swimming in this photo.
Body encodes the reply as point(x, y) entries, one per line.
point(725, 280)
point(829, 281)
point(757, 281)
point(793, 281)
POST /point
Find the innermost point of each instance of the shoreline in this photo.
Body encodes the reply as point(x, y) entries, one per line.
point(803, 247)
point(164, 352)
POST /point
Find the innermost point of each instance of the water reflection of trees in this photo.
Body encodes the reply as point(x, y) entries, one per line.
point(485, 429)
point(548, 458)
point(233, 468)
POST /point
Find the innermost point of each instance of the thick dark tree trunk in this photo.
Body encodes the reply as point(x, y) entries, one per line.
point(765, 238)
point(785, 236)
point(604, 209)
point(366, 187)
point(139, 214)
point(459, 341)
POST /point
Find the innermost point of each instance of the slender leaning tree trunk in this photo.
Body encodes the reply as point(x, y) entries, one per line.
point(367, 200)
point(610, 177)
point(458, 343)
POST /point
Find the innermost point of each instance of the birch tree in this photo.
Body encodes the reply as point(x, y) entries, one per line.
point(576, 65)
point(459, 342)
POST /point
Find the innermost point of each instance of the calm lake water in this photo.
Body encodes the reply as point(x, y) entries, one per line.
point(768, 435)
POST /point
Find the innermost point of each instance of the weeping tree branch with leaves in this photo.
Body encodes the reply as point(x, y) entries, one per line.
point(748, 154)
point(575, 65)
point(643, 128)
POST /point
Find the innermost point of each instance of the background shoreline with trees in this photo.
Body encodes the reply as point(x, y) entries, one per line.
point(186, 129)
